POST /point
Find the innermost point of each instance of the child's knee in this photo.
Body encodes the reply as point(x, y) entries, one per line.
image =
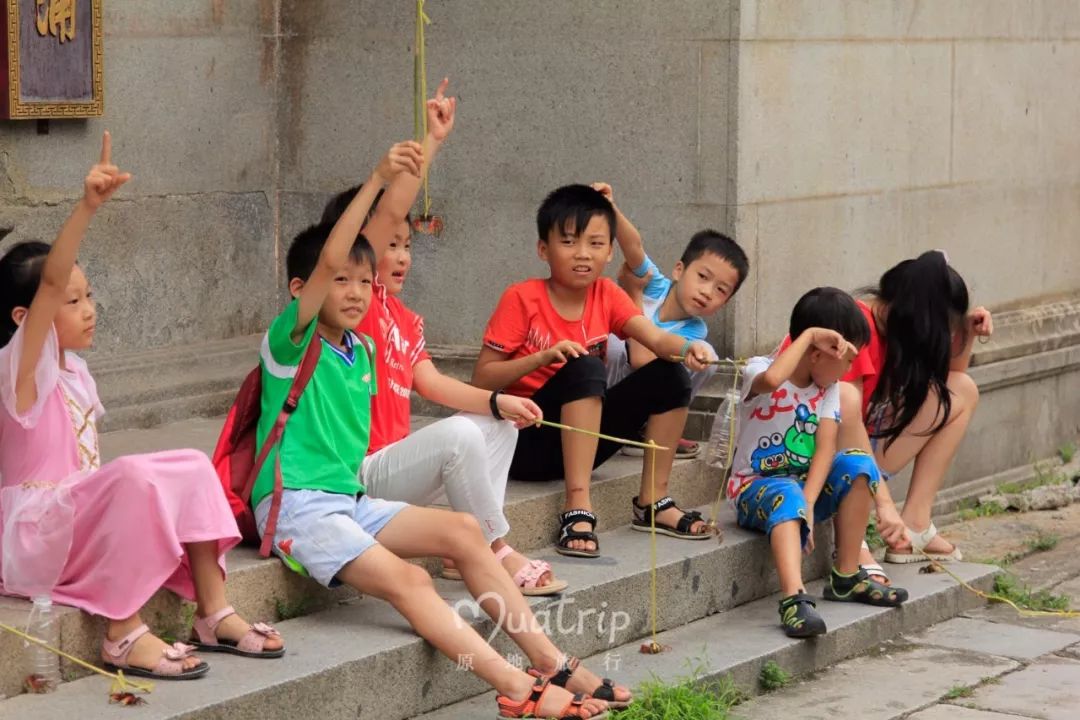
point(855, 468)
point(461, 438)
point(463, 533)
point(669, 379)
point(962, 386)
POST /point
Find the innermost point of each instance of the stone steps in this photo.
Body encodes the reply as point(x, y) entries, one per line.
point(360, 654)
point(737, 643)
point(265, 589)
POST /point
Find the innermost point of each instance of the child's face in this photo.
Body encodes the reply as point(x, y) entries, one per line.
point(826, 370)
point(395, 263)
point(77, 318)
point(349, 297)
point(577, 259)
point(705, 285)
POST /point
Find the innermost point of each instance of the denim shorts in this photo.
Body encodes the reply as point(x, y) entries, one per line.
point(319, 533)
point(766, 502)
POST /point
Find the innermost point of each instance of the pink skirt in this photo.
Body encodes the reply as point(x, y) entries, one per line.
point(129, 523)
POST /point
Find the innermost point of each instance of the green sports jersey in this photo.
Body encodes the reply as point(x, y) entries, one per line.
point(326, 437)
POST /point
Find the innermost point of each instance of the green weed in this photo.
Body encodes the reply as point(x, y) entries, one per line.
point(687, 697)
point(971, 509)
point(873, 537)
point(1067, 452)
point(1042, 543)
point(1010, 587)
point(773, 677)
point(958, 691)
point(289, 610)
point(1045, 474)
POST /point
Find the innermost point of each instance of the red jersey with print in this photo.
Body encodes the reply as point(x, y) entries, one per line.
point(525, 322)
point(868, 363)
point(399, 344)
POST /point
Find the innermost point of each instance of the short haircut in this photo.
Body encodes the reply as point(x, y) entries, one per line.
point(719, 244)
point(832, 309)
point(335, 208)
point(308, 244)
point(570, 208)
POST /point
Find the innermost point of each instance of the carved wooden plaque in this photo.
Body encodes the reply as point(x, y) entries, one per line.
point(51, 59)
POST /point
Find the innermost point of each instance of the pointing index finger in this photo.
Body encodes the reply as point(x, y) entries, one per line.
point(106, 148)
point(441, 92)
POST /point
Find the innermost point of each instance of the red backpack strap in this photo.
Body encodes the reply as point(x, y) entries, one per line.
point(303, 375)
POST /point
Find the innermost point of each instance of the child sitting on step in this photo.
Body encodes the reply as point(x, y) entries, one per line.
point(467, 456)
point(103, 538)
point(329, 528)
point(547, 340)
point(705, 278)
point(788, 473)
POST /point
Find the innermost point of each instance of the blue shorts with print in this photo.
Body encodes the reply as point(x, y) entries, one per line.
point(318, 533)
point(768, 501)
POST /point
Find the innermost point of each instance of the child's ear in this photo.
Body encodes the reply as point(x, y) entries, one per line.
point(542, 250)
point(677, 272)
point(18, 314)
point(296, 285)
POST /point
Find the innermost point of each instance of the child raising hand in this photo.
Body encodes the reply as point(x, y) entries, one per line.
point(103, 538)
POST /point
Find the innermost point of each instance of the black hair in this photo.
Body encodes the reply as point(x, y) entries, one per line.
point(832, 309)
point(335, 208)
point(925, 301)
point(719, 244)
point(20, 276)
point(570, 208)
point(304, 251)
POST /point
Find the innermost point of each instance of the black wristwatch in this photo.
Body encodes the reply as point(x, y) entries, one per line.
point(493, 403)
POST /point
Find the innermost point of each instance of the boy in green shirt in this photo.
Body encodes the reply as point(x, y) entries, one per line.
point(329, 529)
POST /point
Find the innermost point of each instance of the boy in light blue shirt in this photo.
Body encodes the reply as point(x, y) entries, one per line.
point(708, 274)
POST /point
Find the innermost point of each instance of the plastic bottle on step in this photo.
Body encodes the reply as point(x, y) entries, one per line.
point(721, 438)
point(43, 666)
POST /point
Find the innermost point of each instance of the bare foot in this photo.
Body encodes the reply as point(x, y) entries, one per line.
point(582, 545)
point(148, 651)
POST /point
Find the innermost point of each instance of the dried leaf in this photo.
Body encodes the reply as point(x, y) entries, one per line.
point(125, 698)
point(37, 684)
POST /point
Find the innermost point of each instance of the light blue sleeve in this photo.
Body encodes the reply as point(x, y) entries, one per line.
point(658, 283)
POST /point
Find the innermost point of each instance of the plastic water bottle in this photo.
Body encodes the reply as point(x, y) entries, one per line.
point(720, 438)
point(43, 667)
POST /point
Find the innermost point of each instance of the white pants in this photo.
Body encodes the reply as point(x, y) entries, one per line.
point(467, 456)
point(618, 366)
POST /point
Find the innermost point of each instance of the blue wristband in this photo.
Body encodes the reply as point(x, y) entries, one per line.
point(686, 348)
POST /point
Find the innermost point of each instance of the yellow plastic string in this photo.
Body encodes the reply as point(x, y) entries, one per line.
point(653, 605)
point(120, 683)
point(420, 90)
point(995, 598)
point(590, 433)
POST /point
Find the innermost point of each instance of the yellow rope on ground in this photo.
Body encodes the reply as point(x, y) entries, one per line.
point(995, 598)
point(654, 647)
point(120, 683)
point(420, 90)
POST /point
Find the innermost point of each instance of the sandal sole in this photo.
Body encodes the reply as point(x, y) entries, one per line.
point(577, 553)
point(884, 602)
point(196, 672)
point(670, 533)
point(232, 650)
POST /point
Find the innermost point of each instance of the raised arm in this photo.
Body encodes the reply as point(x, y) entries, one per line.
point(628, 237)
point(828, 341)
point(335, 253)
point(101, 182)
point(401, 194)
point(695, 355)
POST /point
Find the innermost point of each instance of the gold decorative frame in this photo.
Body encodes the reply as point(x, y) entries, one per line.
point(19, 110)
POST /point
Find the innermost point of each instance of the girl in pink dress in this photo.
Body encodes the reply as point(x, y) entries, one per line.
point(100, 538)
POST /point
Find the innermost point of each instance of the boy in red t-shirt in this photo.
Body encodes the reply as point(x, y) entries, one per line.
point(466, 456)
point(547, 340)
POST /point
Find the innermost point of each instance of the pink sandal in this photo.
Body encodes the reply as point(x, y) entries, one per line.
point(170, 667)
point(251, 645)
point(525, 578)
